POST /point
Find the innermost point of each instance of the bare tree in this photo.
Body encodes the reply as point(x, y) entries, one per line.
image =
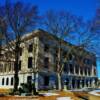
point(83, 38)
point(95, 30)
point(60, 24)
point(19, 18)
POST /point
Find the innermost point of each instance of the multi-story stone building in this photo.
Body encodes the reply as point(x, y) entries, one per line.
point(38, 54)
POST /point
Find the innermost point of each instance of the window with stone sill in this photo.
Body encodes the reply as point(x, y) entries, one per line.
point(71, 68)
point(30, 49)
point(30, 62)
point(94, 63)
point(65, 68)
point(46, 62)
point(81, 71)
point(19, 65)
point(70, 57)
point(46, 47)
point(21, 51)
point(77, 69)
point(85, 71)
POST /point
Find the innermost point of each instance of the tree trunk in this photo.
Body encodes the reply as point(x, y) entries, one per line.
point(16, 66)
point(36, 81)
point(59, 81)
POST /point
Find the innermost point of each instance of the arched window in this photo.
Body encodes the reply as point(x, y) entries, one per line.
point(3, 81)
point(7, 81)
point(12, 81)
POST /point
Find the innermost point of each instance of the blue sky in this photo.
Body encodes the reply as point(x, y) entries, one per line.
point(84, 8)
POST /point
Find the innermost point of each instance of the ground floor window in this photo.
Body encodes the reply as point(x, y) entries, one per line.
point(12, 81)
point(46, 80)
point(7, 81)
point(29, 78)
point(3, 81)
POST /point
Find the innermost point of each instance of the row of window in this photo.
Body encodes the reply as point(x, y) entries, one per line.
point(70, 67)
point(6, 81)
point(7, 67)
point(46, 62)
point(30, 49)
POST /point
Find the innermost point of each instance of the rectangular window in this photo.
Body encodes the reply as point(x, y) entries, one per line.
point(30, 62)
point(30, 49)
point(46, 80)
point(71, 68)
point(29, 78)
point(65, 67)
point(46, 62)
point(19, 65)
point(94, 63)
point(20, 51)
point(46, 48)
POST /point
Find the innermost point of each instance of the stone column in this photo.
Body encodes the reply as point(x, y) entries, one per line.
point(79, 71)
point(70, 82)
point(74, 70)
point(59, 81)
point(75, 83)
point(92, 70)
point(83, 72)
point(36, 81)
point(68, 69)
point(80, 83)
point(65, 86)
point(87, 72)
point(93, 85)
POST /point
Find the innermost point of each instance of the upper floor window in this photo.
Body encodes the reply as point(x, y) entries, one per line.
point(87, 61)
point(30, 49)
point(81, 71)
point(9, 66)
point(30, 62)
point(65, 67)
point(94, 63)
point(20, 51)
point(71, 68)
point(46, 62)
point(19, 65)
point(46, 48)
point(70, 56)
point(85, 71)
point(64, 54)
point(77, 69)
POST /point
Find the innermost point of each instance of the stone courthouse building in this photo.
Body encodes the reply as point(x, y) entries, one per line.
point(38, 54)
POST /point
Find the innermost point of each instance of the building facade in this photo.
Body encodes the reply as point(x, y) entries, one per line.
point(38, 63)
